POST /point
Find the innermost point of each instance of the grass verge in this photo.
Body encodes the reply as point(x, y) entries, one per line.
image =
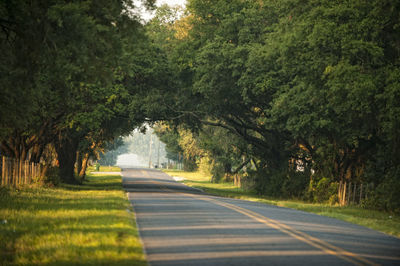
point(104, 169)
point(377, 220)
point(89, 224)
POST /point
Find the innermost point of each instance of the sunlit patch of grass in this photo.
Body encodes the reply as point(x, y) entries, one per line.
point(378, 220)
point(104, 169)
point(90, 224)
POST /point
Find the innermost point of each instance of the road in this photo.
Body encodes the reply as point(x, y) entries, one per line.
point(182, 226)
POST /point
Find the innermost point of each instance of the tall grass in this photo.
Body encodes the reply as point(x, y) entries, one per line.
point(90, 224)
point(378, 220)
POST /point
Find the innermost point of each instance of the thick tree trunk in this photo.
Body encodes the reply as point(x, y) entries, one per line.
point(66, 152)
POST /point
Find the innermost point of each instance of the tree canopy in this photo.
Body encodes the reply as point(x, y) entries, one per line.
point(304, 84)
point(75, 75)
point(262, 88)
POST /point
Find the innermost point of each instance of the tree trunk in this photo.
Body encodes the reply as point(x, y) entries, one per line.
point(44, 170)
point(6, 150)
point(85, 160)
point(36, 153)
point(66, 148)
point(17, 146)
point(78, 162)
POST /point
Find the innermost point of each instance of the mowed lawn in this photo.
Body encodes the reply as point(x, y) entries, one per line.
point(90, 224)
point(388, 223)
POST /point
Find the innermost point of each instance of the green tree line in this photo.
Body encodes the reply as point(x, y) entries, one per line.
point(74, 75)
point(289, 94)
point(311, 85)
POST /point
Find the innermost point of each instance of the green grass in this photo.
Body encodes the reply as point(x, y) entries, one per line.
point(104, 169)
point(377, 220)
point(90, 224)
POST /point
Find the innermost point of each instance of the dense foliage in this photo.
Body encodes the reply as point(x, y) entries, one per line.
point(74, 75)
point(294, 96)
point(310, 85)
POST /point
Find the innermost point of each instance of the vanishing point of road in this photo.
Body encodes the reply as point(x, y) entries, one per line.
point(183, 226)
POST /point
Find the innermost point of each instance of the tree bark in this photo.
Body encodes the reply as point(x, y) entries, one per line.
point(66, 149)
point(78, 162)
point(82, 173)
point(36, 153)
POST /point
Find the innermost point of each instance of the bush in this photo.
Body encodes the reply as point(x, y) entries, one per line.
point(247, 182)
point(267, 182)
point(323, 191)
point(295, 184)
point(385, 196)
point(205, 165)
point(189, 165)
point(217, 171)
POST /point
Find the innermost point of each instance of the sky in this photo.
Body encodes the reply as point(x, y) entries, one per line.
point(171, 2)
point(147, 15)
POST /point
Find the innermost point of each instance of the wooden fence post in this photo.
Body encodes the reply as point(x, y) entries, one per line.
point(344, 193)
point(15, 175)
point(25, 175)
point(20, 172)
point(14, 172)
point(3, 160)
point(5, 171)
point(32, 171)
point(16, 164)
point(10, 171)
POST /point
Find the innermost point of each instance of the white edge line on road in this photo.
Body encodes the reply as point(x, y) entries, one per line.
point(138, 230)
point(137, 225)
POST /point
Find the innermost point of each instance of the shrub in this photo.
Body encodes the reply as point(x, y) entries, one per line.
point(267, 182)
point(385, 196)
point(295, 184)
point(217, 171)
point(323, 191)
point(205, 165)
point(189, 165)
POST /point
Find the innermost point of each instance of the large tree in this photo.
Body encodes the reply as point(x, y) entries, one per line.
point(89, 74)
point(309, 83)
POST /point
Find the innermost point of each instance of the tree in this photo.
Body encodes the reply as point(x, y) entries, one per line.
point(89, 64)
point(300, 83)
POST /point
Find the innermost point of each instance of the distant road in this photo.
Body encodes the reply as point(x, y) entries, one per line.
point(182, 226)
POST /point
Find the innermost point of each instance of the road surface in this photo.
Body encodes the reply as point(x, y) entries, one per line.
point(182, 226)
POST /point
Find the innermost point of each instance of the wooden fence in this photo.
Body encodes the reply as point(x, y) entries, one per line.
point(15, 172)
point(352, 193)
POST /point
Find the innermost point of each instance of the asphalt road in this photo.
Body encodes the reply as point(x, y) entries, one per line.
point(182, 226)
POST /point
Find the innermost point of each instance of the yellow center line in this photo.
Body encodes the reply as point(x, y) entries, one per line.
point(315, 242)
point(312, 241)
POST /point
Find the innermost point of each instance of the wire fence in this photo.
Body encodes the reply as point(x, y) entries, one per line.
point(352, 193)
